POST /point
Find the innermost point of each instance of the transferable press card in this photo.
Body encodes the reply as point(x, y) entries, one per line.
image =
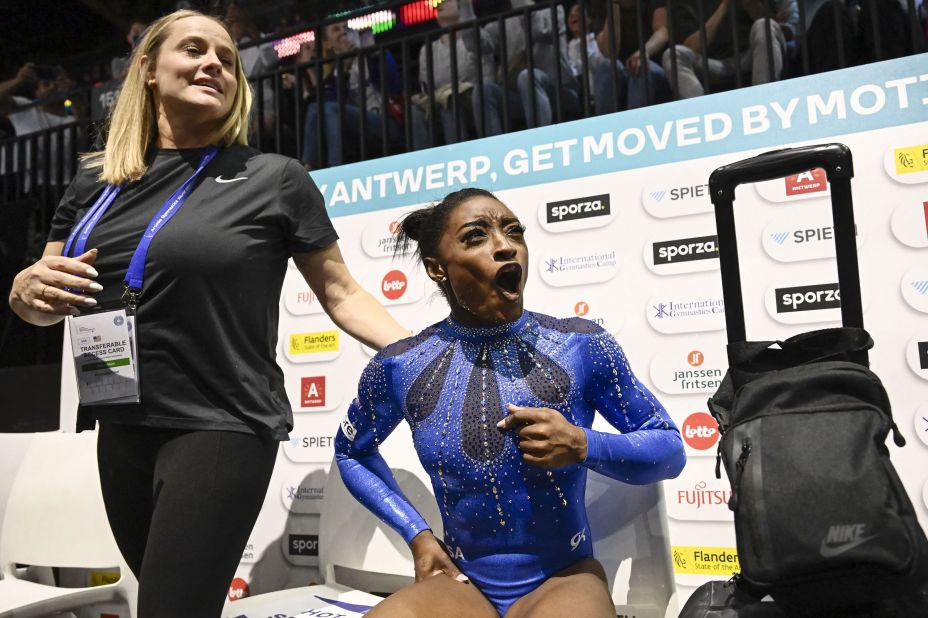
point(105, 359)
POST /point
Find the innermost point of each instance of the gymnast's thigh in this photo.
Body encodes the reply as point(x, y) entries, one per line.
point(578, 590)
point(438, 595)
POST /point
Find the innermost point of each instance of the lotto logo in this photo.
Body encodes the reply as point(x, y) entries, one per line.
point(581, 308)
point(695, 358)
point(238, 589)
point(393, 284)
point(700, 431)
point(812, 181)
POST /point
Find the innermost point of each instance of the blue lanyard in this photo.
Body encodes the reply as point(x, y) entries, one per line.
point(135, 274)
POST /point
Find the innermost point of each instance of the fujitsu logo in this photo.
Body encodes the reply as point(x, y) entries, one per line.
point(700, 496)
point(842, 538)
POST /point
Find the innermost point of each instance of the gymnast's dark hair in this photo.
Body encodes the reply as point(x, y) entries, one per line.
point(426, 225)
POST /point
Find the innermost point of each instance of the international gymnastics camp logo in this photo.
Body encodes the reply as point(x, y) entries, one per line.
point(676, 311)
point(583, 265)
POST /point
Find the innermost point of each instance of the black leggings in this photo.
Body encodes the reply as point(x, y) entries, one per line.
point(182, 505)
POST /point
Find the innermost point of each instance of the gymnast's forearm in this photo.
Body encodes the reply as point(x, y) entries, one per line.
point(638, 457)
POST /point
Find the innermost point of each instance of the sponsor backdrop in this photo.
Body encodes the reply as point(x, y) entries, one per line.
point(621, 231)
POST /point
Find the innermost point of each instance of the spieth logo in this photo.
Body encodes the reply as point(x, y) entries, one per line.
point(394, 284)
point(312, 392)
point(303, 545)
point(238, 589)
point(914, 286)
point(813, 181)
point(580, 208)
point(700, 431)
point(808, 298)
point(814, 241)
point(686, 250)
point(689, 197)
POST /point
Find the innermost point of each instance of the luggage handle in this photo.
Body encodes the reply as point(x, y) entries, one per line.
point(837, 162)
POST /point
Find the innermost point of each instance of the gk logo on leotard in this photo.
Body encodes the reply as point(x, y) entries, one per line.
point(576, 539)
point(348, 429)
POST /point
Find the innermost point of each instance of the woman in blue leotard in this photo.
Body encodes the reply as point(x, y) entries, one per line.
point(500, 402)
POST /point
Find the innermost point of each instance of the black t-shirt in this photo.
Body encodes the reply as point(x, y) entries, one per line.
point(686, 22)
point(208, 312)
point(628, 20)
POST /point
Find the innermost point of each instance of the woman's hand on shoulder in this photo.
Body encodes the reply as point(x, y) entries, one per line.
point(43, 288)
point(431, 557)
point(545, 437)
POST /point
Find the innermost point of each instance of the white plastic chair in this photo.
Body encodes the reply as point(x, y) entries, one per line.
point(357, 553)
point(55, 518)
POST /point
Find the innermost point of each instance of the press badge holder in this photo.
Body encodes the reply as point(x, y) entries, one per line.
point(106, 355)
point(106, 360)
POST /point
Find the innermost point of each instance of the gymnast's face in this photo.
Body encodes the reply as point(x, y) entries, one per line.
point(482, 262)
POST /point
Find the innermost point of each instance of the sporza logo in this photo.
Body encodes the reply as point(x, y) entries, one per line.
point(808, 298)
point(303, 545)
point(842, 538)
point(682, 255)
point(579, 208)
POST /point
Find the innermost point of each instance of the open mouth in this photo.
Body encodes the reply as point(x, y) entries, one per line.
point(509, 281)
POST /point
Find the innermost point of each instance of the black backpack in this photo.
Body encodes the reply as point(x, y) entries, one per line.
point(822, 520)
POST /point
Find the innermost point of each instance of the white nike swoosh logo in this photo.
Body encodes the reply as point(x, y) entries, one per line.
point(222, 180)
point(830, 551)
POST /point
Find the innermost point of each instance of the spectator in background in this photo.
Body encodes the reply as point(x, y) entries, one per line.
point(469, 52)
point(549, 58)
point(44, 112)
point(358, 91)
point(752, 35)
point(257, 59)
point(629, 90)
point(574, 49)
point(120, 64)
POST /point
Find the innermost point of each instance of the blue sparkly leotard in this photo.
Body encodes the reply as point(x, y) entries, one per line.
point(508, 524)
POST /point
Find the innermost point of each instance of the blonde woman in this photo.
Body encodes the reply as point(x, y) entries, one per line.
point(185, 470)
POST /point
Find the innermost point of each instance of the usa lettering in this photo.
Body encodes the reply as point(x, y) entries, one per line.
point(323, 613)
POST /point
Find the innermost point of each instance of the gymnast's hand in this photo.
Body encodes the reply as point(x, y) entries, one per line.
point(431, 557)
point(545, 437)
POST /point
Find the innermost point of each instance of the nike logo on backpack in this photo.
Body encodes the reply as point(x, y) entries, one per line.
point(222, 180)
point(843, 538)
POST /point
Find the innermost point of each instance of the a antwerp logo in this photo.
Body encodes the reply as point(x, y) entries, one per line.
point(812, 181)
point(312, 392)
point(843, 538)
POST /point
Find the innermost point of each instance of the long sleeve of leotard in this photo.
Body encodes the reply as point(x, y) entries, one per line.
point(371, 417)
point(649, 448)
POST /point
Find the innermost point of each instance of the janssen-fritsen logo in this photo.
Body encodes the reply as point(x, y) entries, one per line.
point(578, 208)
point(379, 238)
point(808, 298)
point(678, 370)
point(394, 284)
point(312, 392)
